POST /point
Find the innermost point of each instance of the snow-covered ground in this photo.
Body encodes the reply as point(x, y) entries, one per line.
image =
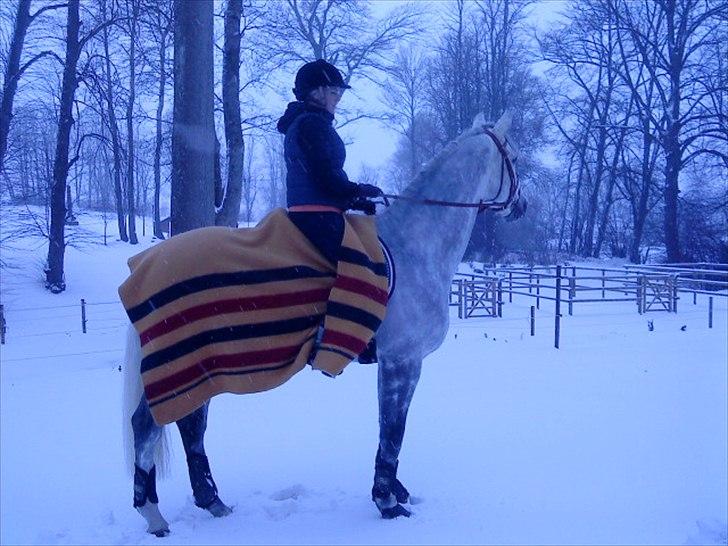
point(619, 437)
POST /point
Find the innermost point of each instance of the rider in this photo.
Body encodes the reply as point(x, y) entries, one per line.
point(318, 188)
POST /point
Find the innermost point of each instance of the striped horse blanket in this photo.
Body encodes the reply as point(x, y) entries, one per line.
point(238, 310)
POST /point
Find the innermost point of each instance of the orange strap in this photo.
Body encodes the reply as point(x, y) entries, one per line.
point(314, 208)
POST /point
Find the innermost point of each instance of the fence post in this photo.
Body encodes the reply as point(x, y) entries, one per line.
point(710, 312)
point(538, 292)
point(3, 326)
point(461, 299)
point(83, 315)
point(530, 279)
point(510, 287)
point(572, 294)
point(640, 294)
point(695, 298)
point(674, 293)
point(602, 284)
point(533, 320)
point(466, 284)
point(500, 298)
point(557, 318)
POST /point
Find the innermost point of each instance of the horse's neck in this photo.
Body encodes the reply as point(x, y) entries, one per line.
point(428, 236)
point(431, 236)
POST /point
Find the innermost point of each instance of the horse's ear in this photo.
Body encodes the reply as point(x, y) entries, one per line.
point(479, 121)
point(504, 123)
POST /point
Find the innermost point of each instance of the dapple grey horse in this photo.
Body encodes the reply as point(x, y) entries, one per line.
point(427, 231)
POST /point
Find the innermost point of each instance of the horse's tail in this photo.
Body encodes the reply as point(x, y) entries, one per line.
point(132, 395)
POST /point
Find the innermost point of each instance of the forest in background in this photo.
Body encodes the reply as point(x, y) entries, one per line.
point(621, 113)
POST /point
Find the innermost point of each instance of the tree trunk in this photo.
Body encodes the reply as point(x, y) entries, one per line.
point(673, 160)
point(193, 130)
point(671, 141)
point(57, 245)
point(593, 203)
point(228, 214)
point(640, 211)
point(10, 84)
point(130, 192)
point(157, 224)
point(114, 131)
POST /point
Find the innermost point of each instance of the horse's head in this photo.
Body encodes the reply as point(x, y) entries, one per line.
point(501, 180)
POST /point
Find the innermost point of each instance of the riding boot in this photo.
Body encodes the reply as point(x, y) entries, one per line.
point(369, 354)
point(203, 486)
point(145, 486)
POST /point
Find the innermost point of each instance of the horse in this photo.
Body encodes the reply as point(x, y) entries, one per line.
point(426, 231)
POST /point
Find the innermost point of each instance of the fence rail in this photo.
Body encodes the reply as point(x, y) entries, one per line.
point(86, 312)
point(483, 294)
point(651, 289)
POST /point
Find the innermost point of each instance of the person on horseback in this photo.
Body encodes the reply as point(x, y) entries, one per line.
point(318, 190)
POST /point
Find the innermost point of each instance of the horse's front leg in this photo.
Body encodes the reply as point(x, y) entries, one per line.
point(397, 382)
point(192, 430)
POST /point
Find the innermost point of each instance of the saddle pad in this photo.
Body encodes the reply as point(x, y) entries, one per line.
point(236, 310)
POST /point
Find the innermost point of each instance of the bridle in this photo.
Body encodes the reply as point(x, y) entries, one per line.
point(482, 206)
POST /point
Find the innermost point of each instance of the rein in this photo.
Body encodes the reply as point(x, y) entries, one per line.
point(481, 205)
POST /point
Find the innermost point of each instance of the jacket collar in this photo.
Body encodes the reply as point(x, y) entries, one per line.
point(310, 107)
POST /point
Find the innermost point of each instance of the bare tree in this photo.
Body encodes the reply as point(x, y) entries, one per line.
point(13, 70)
point(228, 213)
point(158, 19)
point(55, 281)
point(668, 37)
point(249, 182)
point(275, 170)
point(404, 95)
point(193, 129)
point(109, 115)
point(132, 21)
point(343, 33)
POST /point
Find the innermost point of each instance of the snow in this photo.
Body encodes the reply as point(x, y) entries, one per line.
point(619, 437)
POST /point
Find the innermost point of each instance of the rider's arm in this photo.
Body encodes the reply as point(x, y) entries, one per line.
point(315, 142)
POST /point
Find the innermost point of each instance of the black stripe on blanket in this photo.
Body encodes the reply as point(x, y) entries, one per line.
point(353, 314)
point(220, 280)
point(230, 333)
point(352, 256)
point(207, 376)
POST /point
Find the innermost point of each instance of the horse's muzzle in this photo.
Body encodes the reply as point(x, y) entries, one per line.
point(518, 209)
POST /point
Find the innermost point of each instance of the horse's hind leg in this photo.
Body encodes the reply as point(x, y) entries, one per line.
point(397, 381)
point(146, 436)
point(192, 429)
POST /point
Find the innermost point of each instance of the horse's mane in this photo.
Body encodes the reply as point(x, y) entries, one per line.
point(429, 168)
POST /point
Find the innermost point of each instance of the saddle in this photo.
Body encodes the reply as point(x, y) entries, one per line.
point(219, 309)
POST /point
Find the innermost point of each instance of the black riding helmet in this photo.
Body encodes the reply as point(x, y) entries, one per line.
point(317, 74)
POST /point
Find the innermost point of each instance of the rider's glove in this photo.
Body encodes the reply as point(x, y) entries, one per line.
point(367, 207)
point(369, 191)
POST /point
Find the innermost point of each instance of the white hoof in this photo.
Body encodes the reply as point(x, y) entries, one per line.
point(156, 524)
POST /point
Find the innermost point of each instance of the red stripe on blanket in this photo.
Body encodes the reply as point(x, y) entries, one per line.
point(358, 286)
point(351, 343)
point(204, 367)
point(237, 305)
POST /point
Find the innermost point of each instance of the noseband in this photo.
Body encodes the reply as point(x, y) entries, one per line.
point(482, 206)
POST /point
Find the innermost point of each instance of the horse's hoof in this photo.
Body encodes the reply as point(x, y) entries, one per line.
point(218, 508)
point(396, 511)
point(156, 524)
point(400, 491)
